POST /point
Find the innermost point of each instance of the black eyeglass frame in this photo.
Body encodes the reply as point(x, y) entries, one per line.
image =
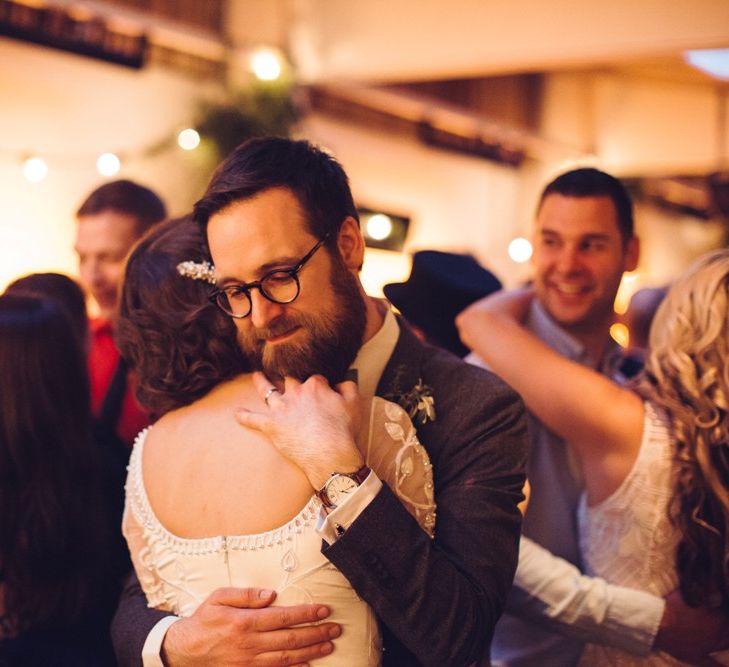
point(245, 288)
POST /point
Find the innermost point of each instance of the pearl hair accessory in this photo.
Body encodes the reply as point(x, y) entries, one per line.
point(197, 271)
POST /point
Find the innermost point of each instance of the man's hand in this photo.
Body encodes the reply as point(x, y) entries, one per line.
point(235, 626)
point(691, 633)
point(310, 423)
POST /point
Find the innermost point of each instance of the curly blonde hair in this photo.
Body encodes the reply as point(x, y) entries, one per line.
point(687, 374)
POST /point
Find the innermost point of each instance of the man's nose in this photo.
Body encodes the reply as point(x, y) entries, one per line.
point(89, 270)
point(263, 311)
point(568, 260)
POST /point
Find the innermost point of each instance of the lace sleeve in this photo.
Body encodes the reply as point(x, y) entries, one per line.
point(395, 454)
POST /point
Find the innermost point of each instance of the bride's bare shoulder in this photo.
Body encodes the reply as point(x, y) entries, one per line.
point(191, 425)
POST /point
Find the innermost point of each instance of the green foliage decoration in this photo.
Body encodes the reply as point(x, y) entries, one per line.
point(262, 109)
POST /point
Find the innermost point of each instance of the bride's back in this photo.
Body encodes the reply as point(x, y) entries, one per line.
point(205, 475)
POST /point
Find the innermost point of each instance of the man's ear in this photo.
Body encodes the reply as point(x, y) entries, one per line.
point(351, 244)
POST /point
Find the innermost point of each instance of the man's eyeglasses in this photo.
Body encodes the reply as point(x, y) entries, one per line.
point(278, 286)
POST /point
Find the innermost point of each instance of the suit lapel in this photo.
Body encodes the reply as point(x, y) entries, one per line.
point(403, 368)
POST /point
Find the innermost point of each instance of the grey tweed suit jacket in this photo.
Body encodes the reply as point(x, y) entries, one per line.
point(437, 600)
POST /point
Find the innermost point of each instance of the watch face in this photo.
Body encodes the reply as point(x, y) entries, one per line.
point(339, 487)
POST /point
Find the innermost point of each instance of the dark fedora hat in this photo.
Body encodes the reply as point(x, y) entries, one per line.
point(441, 285)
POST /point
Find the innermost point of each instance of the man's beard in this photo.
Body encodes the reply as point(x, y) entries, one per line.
point(332, 338)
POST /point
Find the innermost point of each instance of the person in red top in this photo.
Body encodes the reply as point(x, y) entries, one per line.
point(111, 219)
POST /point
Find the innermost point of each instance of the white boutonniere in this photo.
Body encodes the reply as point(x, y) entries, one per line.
point(419, 403)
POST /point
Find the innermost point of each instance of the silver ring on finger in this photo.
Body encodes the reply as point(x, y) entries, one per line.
point(269, 393)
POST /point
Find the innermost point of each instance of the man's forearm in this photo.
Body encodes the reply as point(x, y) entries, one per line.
point(553, 593)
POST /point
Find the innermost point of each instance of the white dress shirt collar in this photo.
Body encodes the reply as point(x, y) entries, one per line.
point(376, 352)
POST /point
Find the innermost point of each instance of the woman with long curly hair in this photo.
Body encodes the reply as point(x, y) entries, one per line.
point(59, 568)
point(654, 454)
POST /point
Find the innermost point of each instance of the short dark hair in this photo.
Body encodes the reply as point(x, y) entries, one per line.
point(124, 196)
point(315, 177)
point(56, 286)
point(177, 341)
point(591, 182)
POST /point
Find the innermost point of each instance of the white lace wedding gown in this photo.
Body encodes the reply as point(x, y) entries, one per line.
point(177, 574)
point(628, 540)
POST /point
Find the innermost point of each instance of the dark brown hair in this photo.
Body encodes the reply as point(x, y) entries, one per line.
point(314, 176)
point(127, 197)
point(179, 344)
point(591, 182)
point(56, 286)
point(56, 550)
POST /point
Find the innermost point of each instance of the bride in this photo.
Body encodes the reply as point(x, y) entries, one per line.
point(210, 504)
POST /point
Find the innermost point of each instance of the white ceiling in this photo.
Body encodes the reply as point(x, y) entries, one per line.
point(399, 40)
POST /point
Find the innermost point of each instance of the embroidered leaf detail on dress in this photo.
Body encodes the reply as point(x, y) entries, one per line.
point(395, 431)
point(407, 466)
point(288, 561)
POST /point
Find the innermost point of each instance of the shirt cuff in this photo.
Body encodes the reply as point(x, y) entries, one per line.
point(331, 525)
point(644, 612)
point(152, 649)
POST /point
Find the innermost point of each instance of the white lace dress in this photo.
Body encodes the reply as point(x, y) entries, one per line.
point(177, 574)
point(628, 539)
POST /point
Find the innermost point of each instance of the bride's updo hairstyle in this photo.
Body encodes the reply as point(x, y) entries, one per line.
point(178, 343)
point(687, 374)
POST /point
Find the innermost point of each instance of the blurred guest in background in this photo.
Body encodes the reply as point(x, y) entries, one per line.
point(110, 220)
point(68, 293)
point(441, 285)
point(60, 563)
point(63, 289)
point(583, 242)
point(654, 515)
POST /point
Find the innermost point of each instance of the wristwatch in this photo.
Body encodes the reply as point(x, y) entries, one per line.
point(340, 485)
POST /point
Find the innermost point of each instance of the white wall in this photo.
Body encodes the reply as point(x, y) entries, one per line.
point(68, 109)
point(637, 124)
point(455, 203)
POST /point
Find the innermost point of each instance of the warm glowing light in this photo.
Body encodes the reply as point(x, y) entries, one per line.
point(382, 267)
point(625, 290)
point(188, 139)
point(620, 334)
point(108, 164)
point(266, 64)
point(520, 250)
point(35, 169)
point(379, 226)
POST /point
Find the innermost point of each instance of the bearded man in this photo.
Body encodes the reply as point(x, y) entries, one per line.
point(283, 232)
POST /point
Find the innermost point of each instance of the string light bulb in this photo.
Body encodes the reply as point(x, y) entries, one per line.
point(108, 164)
point(266, 64)
point(379, 227)
point(35, 169)
point(188, 139)
point(520, 250)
